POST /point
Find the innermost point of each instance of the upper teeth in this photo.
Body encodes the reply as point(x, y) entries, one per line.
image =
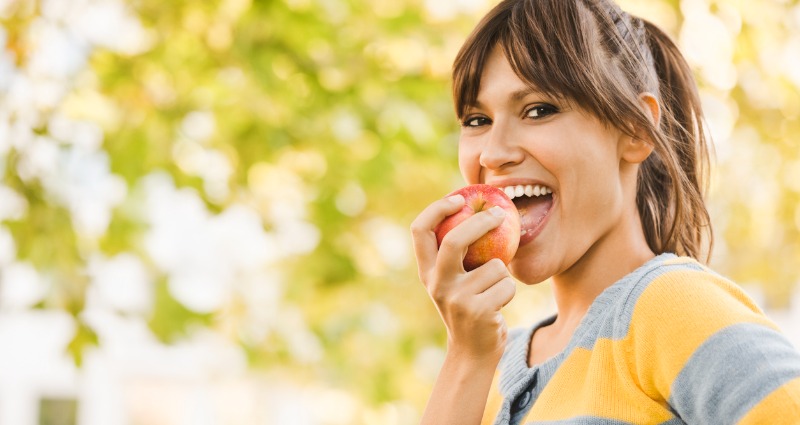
point(527, 190)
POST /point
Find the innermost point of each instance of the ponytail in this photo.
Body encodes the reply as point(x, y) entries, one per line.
point(672, 181)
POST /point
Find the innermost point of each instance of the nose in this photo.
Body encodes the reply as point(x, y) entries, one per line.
point(500, 150)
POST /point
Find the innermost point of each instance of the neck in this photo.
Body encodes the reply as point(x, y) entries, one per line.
point(606, 262)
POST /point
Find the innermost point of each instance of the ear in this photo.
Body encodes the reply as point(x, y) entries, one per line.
point(636, 149)
point(650, 104)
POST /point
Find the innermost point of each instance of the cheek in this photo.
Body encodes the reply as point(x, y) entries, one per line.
point(469, 164)
point(595, 180)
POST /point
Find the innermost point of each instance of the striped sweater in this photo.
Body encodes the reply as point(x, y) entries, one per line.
point(671, 343)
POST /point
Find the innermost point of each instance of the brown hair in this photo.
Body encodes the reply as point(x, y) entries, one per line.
point(593, 54)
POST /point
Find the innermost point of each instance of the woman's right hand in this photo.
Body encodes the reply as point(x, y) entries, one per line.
point(468, 302)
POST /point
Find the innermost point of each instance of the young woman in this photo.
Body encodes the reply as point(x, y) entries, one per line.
point(599, 107)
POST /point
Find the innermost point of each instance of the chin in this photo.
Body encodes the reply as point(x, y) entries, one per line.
point(530, 271)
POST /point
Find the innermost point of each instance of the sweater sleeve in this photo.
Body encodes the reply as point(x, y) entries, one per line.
point(702, 348)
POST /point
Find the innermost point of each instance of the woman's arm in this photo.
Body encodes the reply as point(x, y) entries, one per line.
point(460, 393)
point(469, 304)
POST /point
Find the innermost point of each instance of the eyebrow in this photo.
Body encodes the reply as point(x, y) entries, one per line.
point(516, 96)
point(522, 93)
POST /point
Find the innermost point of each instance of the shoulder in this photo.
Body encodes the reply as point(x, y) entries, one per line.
point(681, 304)
point(682, 294)
point(691, 330)
point(666, 296)
point(703, 346)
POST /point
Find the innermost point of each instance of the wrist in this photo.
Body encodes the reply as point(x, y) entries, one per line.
point(461, 390)
point(470, 361)
point(471, 354)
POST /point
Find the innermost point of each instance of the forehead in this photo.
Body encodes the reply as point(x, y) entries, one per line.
point(499, 79)
point(497, 69)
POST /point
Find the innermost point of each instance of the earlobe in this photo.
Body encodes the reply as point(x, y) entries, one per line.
point(636, 150)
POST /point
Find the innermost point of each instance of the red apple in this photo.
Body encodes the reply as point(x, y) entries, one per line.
point(501, 242)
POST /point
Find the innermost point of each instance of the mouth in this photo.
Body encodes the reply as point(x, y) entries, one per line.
point(534, 203)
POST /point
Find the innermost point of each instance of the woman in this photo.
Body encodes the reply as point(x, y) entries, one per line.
point(600, 108)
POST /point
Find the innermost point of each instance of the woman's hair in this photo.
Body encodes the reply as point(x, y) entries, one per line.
point(593, 54)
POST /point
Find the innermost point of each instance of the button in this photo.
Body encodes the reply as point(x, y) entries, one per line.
point(523, 400)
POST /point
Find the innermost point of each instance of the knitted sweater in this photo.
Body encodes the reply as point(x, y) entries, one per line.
point(671, 343)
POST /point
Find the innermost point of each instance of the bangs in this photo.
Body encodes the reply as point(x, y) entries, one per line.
point(549, 45)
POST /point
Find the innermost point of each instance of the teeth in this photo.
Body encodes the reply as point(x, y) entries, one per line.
point(526, 190)
point(529, 190)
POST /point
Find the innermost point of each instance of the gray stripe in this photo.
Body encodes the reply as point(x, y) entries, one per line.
point(731, 372)
point(596, 420)
point(583, 420)
point(515, 375)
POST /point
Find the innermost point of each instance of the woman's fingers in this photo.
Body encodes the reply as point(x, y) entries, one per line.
point(485, 276)
point(422, 231)
point(499, 294)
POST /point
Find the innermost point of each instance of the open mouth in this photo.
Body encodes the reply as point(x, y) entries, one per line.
point(534, 203)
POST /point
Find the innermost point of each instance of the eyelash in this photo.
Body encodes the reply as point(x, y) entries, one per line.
point(543, 111)
point(468, 120)
point(546, 108)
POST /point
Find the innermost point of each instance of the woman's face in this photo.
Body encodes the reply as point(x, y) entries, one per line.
point(517, 139)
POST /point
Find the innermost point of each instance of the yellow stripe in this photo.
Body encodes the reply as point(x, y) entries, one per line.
point(674, 315)
point(780, 407)
point(617, 398)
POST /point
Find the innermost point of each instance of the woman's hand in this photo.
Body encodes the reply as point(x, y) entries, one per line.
point(468, 302)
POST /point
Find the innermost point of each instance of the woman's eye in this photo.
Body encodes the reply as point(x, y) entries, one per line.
point(475, 121)
point(541, 111)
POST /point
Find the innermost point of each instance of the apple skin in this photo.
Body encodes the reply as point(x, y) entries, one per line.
point(501, 242)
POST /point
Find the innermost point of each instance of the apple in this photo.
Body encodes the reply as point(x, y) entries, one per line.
point(501, 242)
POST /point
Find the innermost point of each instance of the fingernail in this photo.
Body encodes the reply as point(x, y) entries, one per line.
point(497, 211)
point(456, 199)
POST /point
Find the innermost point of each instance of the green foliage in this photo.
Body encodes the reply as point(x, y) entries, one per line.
point(320, 97)
point(84, 338)
point(170, 320)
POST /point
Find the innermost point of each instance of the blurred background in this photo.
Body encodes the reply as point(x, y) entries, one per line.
point(204, 205)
